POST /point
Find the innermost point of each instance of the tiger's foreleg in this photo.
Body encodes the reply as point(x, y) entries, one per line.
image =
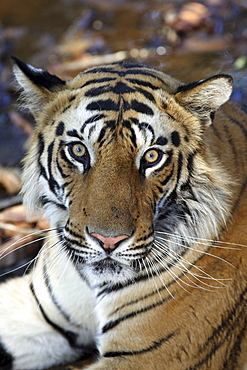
point(27, 340)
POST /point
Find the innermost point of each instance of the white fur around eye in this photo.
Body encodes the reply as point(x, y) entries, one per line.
point(78, 155)
point(151, 160)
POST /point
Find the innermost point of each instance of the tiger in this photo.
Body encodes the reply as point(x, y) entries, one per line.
point(143, 181)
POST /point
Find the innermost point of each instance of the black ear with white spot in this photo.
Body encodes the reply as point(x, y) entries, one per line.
point(205, 97)
point(38, 85)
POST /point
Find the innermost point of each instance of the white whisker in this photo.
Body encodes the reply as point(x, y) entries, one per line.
point(153, 279)
point(178, 258)
point(157, 257)
point(26, 237)
point(204, 241)
point(196, 250)
point(45, 249)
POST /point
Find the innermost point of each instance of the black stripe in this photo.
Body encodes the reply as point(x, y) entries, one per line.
point(94, 118)
point(161, 140)
point(49, 157)
point(99, 105)
point(99, 90)
point(180, 165)
point(96, 70)
point(146, 94)
point(66, 108)
point(228, 324)
point(166, 163)
point(69, 335)
point(232, 359)
point(128, 69)
point(130, 303)
point(175, 137)
point(119, 88)
point(228, 321)
point(72, 233)
point(75, 253)
point(127, 124)
point(64, 176)
point(41, 146)
point(101, 136)
point(153, 346)
point(145, 73)
point(70, 192)
point(240, 125)
point(111, 124)
point(44, 200)
point(215, 129)
point(190, 163)
point(142, 83)
point(65, 184)
point(112, 324)
point(114, 288)
point(53, 298)
point(141, 107)
point(98, 80)
point(147, 236)
point(64, 157)
point(143, 126)
point(60, 129)
point(53, 184)
point(160, 190)
point(73, 133)
point(6, 360)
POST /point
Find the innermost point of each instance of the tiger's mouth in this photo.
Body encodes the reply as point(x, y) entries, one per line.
point(101, 267)
point(107, 265)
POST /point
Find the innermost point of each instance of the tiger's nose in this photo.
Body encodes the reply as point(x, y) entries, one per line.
point(109, 242)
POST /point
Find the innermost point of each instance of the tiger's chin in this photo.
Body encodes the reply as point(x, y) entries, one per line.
point(106, 271)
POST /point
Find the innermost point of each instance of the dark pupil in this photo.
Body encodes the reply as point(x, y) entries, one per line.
point(79, 150)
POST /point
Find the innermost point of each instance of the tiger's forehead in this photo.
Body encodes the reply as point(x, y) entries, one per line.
point(112, 115)
point(118, 97)
point(117, 75)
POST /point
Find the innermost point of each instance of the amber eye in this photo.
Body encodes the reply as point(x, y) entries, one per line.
point(151, 156)
point(78, 150)
point(150, 159)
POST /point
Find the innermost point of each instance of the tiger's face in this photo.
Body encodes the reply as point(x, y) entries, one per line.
point(119, 159)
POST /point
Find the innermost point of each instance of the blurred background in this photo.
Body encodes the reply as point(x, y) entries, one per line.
point(190, 40)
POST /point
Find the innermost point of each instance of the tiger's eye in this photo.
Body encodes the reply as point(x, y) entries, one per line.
point(78, 150)
point(151, 156)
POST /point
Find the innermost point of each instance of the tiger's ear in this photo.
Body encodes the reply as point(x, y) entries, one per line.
point(38, 85)
point(205, 97)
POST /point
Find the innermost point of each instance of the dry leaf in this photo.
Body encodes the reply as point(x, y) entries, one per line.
point(9, 181)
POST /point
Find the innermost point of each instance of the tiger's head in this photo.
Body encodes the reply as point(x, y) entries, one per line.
point(120, 165)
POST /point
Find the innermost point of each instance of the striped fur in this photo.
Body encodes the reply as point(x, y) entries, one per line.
point(125, 153)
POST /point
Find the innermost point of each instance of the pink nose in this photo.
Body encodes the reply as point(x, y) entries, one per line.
point(110, 241)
